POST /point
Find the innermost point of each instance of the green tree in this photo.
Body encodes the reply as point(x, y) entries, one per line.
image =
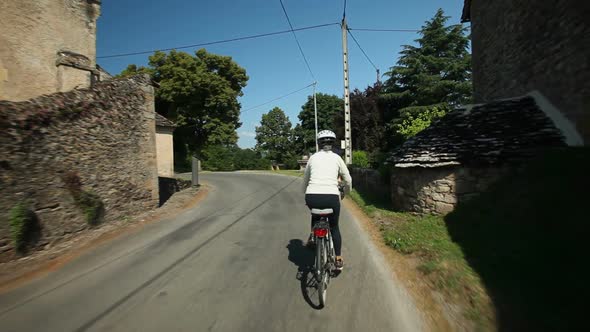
point(329, 106)
point(437, 70)
point(232, 158)
point(199, 93)
point(249, 159)
point(133, 69)
point(417, 118)
point(360, 159)
point(367, 125)
point(274, 135)
point(219, 158)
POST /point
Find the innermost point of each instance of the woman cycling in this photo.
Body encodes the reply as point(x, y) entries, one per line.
point(320, 184)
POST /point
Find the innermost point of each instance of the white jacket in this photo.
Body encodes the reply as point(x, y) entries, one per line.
point(322, 172)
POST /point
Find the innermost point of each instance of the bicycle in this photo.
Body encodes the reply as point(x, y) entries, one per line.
point(325, 256)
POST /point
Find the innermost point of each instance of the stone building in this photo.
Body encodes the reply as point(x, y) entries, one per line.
point(531, 81)
point(46, 46)
point(103, 137)
point(165, 146)
point(463, 153)
point(522, 46)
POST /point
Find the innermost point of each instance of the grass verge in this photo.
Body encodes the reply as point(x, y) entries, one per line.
point(291, 172)
point(438, 259)
point(512, 257)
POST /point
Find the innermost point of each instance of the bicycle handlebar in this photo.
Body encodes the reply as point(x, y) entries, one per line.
point(341, 189)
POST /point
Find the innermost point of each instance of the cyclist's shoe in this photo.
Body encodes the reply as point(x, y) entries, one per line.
point(310, 241)
point(339, 264)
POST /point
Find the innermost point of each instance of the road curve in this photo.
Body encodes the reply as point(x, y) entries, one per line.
point(236, 262)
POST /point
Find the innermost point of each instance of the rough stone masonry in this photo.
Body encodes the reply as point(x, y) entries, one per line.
point(105, 135)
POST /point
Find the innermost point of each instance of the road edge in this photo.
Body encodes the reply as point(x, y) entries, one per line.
point(41, 268)
point(402, 274)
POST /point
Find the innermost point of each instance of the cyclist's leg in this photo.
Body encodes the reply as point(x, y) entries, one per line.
point(334, 201)
point(312, 201)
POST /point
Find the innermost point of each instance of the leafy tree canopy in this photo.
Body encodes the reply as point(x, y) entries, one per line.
point(437, 70)
point(274, 135)
point(329, 106)
point(199, 93)
point(367, 123)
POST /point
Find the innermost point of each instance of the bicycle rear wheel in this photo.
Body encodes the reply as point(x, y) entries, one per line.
point(322, 282)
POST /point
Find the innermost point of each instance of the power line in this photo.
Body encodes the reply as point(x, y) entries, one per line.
point(359, 45)
point(387, 30)
point(218, 42)
point(298, 45)
point(403, 30)
point(281, 97)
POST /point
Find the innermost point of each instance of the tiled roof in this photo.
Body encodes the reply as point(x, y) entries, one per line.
point(163, 122)
point(492, 133)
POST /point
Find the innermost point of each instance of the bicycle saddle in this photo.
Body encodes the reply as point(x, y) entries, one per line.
point(322, 212)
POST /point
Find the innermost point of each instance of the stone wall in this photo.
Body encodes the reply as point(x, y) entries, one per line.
point(169, 186)
point(519, 46)
point(105, 135)
point(438, 190)
point(370, 182)
point(46, 46)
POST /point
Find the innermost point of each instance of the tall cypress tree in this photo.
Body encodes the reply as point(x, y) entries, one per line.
point(436, 71)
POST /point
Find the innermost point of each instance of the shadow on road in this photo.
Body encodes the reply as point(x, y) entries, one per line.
point(303, 258)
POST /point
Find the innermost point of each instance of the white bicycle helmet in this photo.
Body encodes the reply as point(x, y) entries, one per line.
point(326, 134)
point(326, 139)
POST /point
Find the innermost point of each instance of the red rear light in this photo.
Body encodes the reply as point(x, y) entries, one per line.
point(320, 232)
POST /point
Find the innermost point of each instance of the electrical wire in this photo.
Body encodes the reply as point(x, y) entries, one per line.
point(387, 30)
point(359, 45)
point(403, 30)
point(217, 42)
point(344, 11)
point(281, 97)
point(298, 45)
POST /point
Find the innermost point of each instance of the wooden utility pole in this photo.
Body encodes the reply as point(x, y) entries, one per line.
point(347, 129)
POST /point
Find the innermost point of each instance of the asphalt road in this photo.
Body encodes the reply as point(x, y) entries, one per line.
point(236, 262)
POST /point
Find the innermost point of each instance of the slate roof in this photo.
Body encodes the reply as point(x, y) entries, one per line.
point(492, 133)
point(163, 122)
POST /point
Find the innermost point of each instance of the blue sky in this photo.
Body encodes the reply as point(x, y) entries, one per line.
point(274, 64)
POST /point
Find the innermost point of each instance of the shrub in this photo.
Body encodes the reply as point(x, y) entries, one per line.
point(360, 159)
point(92, 207)
point(249, 159)
point(263, 164)
point(218, 158)
point(417, 118)
point(232, 158)
point(89, 202)
point(23, 225)
point(291, 162)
